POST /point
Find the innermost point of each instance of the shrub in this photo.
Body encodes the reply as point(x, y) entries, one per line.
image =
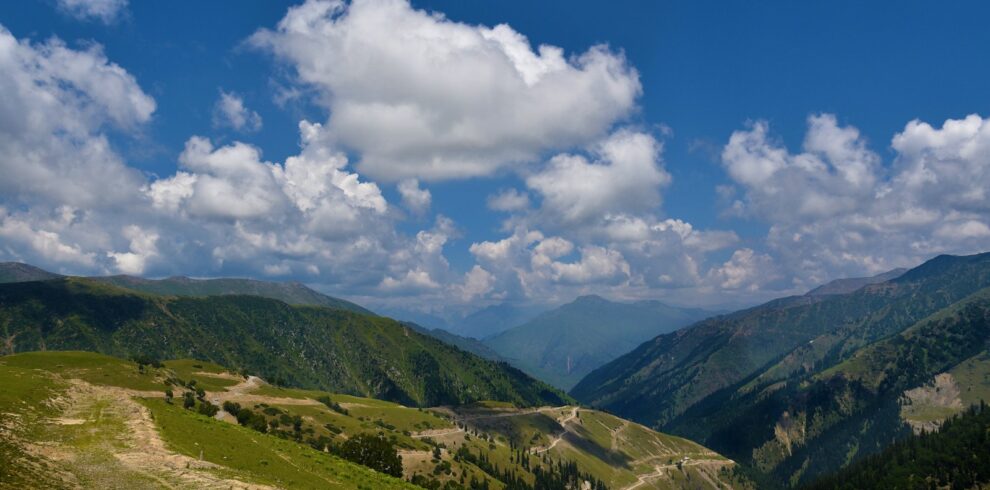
point(232, 408)
point(373, 451)
point(187, 400)
point(207, 408)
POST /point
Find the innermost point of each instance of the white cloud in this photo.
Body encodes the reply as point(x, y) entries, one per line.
point(472, 100)
point(626, 178)
point(230, 111)
point(142, 249)
point(414, 198)
point(597, 264)
point(835, 210)
point(106, 11)
point(746, 269)
point(58, 101)
point(42, 240)
point(508, 200)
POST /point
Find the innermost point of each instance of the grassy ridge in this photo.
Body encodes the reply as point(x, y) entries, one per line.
point(802, 386)
point(306, 346)
point(92, 430)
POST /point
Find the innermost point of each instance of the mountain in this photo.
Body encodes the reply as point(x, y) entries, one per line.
point(293, 293)
point(803, 386)
point(494, 319)
point(850, 284)
point(306, 346)
point(468, 344)
point(954, 457)
point(19, 272)
point(84, 420)
point(564, 344)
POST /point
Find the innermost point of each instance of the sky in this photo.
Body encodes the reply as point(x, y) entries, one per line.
point(441, 156)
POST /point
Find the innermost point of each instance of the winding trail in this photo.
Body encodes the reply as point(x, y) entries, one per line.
point(132, 444)
point(557, 437)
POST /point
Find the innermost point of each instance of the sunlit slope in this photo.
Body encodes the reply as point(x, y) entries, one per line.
point(309, 346)
point(75, 418)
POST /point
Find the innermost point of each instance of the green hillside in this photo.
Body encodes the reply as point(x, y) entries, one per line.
point(81, 419)
point(18, 272)
point(954, 457)
point(563, 345)
point(805, 385)
point(292, 293)
point(304, 346)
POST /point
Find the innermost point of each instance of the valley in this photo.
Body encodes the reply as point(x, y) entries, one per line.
point(75, 418)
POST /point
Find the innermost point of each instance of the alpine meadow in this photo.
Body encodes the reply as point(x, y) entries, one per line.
point(447, 245)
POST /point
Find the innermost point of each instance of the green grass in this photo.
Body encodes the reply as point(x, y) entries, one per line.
point(263, 458)
point(188, 369)
point(973, 377)
point(90, 367)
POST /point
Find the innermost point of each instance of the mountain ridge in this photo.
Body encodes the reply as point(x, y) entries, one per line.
point(562, 345)
point(307, 346)
point(767, 385)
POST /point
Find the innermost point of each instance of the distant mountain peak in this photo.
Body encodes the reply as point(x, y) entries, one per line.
point(590, 298)
point(850, 284)
point(21, 272)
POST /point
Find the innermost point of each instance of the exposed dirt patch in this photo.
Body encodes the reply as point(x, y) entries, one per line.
point(926, 407)
point(109, 438)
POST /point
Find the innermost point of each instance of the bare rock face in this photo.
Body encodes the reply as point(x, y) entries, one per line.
point(926, 407)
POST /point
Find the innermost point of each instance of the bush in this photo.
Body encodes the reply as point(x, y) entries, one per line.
point(375, 452)
point(232, 408)
point(332, 405)
point(207, 408)
point(187, 400)
point(251, 420)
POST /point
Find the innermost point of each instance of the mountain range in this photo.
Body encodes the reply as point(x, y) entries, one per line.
point(802, 386)
point(307, 346)
point(566, 343)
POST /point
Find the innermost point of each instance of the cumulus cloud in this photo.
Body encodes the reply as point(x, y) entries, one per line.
point(508, 200)
point(230, 111)
point(142, 248)
point(835, 210)
point(414, 198)
point(106, 11)
point(59, 102)
point(625, 178)
point(473, 99)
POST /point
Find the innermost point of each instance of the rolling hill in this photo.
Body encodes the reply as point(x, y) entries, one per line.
point(293, 293)
point(20, 272)
point(802, 386)
point(76, 419)
point(564, 344)
point(305, 346)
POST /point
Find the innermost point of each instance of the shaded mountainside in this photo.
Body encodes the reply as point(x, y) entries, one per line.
point(956, 456)
point(493, 320)
point(105, 422)
point(468, 344)
point(20, 272)
point(851, 284)
point(805, 385)
point(307, 346)
point(292, 293)
point(564, 344)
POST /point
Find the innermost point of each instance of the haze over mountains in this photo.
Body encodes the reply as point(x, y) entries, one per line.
point(561, 346)
point(795, 389)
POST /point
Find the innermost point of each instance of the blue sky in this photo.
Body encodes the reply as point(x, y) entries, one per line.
point(711, 153)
